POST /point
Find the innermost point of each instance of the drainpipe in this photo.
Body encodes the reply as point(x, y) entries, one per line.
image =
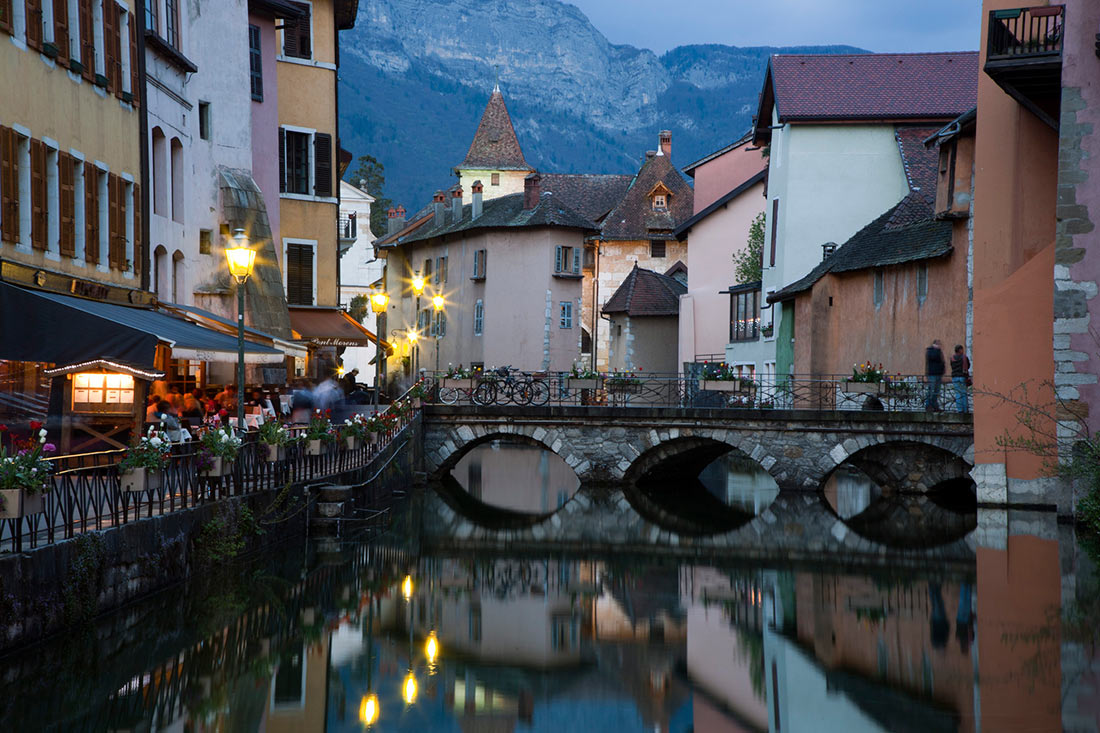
point(336, 152)
point(143, 133)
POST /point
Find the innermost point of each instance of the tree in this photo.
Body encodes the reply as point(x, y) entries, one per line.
point(359, 307)
point(370, 176)
point(748, 264)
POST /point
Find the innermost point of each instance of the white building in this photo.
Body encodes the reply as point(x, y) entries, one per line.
point(359, 270)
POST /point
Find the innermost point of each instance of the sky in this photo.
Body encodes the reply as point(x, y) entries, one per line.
point(876, 25)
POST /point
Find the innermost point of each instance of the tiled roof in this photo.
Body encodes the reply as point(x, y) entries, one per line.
point(633, 217)
point(503, 212)
point(868, 86)
point(685, 227)
point(906, 232)
point(646, 293)
point(495, 146)
point(590, 195)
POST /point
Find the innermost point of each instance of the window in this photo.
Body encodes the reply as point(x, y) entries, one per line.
point(93, 187)
point(659, 201)
point(297, 35)
point(177, 180)
point(745, 315)
point(879, 289)
point(299, 273)
point(426, 273)
point(296, 166)
point(66, 174)
point(112, 45)
point(255, 63)
point(206, 241)
point(32, 20)
point(86, 21)
point(441, 270)
point(172, 23)
point(439, 324)
point(657, 248)
point(39, 207)
point(152, 15)
point(6, 24)
point(494, 179)
point(479, 317)
point(775, 228)
point(475, 619)
point(566, 314)
point(922, 282)
point(424, 321)
point(479, 264)
point(204, 120)
point(567, 261)
point(9, 185)
point(160, 172)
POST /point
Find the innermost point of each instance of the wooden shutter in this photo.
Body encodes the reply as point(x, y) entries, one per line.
point(557, 259)
point(114, 219)
point(91, 214)
point(9, 186)
point(110, 44)
point(322, 164)
point(67, 189)
point(576, 260)
point(775, 228)
point(282, 160)
point(6, 26)
point(484, 262)
point(290, 38)
point(134, 81)
point(39, 213)
point(299, 274)
point(302, 25)
point(87, 40)
point(61, 30)
point(139, 206)
point(34, 23)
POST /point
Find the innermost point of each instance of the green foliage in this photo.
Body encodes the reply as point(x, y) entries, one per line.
point(370, 176)
point(748, 263)
point(224, 536)
point(360, 304)
point(80, 592)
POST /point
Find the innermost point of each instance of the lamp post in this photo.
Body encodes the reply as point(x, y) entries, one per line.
point(418, 290)
point(438, 303)
point(378, 301)
point(241, 259)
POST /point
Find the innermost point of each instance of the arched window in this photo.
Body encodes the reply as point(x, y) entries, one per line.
point(177, 180)
point(177, 277)
point(160, 272)
point(160, 172)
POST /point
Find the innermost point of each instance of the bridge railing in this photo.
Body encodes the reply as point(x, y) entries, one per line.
point(899, 393)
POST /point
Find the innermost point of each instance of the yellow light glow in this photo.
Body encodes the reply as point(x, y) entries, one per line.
point(431, 648)
point(413, 337)
point(437, 302)
point(378, 302)
point(339, 371)
point(241, 257)
point(418, 285)
point(407, 587)
point(409, 688)
point(368, 709)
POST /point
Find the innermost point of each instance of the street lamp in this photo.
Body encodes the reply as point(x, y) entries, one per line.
point(378, 302)
point(241, 259)
point(418, 290)
point(438, 303)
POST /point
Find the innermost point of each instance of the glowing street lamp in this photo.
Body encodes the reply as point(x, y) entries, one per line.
point(418, 283)
point(241, 259)
point(368, 709)
point(378, 302)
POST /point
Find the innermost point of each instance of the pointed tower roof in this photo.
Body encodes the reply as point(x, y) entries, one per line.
point(495, 146)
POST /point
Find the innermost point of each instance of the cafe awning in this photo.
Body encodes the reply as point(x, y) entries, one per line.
point(212, 320)
point(320, 326)
point(43, 326)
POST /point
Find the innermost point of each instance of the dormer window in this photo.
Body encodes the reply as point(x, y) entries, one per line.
point(659, 201)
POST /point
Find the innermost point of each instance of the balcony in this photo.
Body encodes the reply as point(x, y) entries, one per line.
point(347, 231)
point(1024, 57)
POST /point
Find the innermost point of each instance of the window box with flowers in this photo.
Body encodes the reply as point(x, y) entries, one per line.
point(417, 394)
point(623, 383)
point(582, 378)
point(217, 451)
point(24, 472)
point(273, 438)
point(767, 331)
point(458, 378)
point(354, 431)
point(866, 379)
point(722, 377)
point(141, 465)
point(319, 432)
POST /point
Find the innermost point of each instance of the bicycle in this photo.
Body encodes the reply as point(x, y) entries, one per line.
point(503, 387)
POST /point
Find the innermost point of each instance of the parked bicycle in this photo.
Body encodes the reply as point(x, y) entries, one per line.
point(506, 384)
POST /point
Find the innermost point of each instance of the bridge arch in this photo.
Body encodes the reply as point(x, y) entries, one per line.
point(464, 439)
point(909, 463)
point(684, 455)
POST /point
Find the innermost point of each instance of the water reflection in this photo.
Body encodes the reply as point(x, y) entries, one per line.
point(516, 477)
point(849, 491)
point(740, 482)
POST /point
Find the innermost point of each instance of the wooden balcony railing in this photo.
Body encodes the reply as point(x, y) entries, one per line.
point(1025, 32)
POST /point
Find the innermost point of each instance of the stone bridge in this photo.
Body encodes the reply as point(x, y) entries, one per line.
point(799, 448)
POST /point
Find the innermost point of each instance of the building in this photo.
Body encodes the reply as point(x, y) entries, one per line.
point(901, 280)
point(643, 317)
point(360, 269)
point(729, 195)
point(831, 125)
point(495, 157)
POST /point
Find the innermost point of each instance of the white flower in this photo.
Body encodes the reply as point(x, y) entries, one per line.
point(225, 437)
point(42, 433)
point(156, 442)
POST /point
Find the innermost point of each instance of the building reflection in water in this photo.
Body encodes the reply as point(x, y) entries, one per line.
point(517, 477)
point(740, 482)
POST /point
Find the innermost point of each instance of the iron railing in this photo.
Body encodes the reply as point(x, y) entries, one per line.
point(87, 492)
point(1025, 32)
point(902, 393)
point(348, 231)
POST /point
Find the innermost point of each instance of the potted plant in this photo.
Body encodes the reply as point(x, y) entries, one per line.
point(582, 378)
point(141, 464)
point(722, 377)
point(768, 331)
point(458, 378)
point(354, 431)
point(273, 437)
point(417, 394)
point(623, 382)
point(866, 379)
point(217, 451)
point(318, 432)
point(24, 472)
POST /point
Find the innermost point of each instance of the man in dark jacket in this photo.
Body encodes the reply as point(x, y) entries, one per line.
point(934, 367)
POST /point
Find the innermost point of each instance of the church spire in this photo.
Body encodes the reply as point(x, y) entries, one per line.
point(495, 146)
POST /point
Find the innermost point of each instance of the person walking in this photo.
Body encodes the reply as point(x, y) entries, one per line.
point(934, 368)
point(960, 377)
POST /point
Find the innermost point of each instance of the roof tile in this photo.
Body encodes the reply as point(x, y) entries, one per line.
point(646, 293)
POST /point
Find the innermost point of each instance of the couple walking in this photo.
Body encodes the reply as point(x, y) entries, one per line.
point(934, 369)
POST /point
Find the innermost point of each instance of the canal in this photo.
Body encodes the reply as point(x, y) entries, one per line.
point(379, 630)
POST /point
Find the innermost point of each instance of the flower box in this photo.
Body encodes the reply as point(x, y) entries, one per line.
point(416, 403)
point(577, 383)
point(141, 479)
point(314, 447)
point(458, 383)
point(274, 453)
point(372, 437)
point(18, 503)
point(219, 467)
point(725, 385)
point(863, 387)
point(624, 387)
point(352, 442)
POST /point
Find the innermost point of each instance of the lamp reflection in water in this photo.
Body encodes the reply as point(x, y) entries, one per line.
point(431, 651)
point(408, 688)
point(407, 587)
point(368, 706)
point(368, 709)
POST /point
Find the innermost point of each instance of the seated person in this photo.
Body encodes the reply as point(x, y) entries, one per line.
point(169, 423)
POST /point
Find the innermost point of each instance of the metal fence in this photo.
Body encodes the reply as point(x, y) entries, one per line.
point(901, 393)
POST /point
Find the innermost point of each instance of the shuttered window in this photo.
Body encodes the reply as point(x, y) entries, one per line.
point(6, 25)
point(322, 164)
point(112, 47)
point(567, 261)
point(299, 273)
point(138, 204)
point(116, 201)
point(255, 63)
point(67, 190)
point(39, 209)
point(294, 161)
point(34, 23)
point(297, 41)
point(775, 229)
point(91, 213)
point(87, 39)
point(479, 264)
point(135, 86)
point(479, 317)
point(9, 185)
point(61, 30)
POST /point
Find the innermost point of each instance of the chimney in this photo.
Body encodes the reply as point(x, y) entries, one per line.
point(439, 204)
point(531, 192)
point(399, 218)
point(649, 154)
point(475, 207)
point(392, 224)
point(456, 205)
point(666, 143)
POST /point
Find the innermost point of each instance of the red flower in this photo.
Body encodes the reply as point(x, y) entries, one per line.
point(36, 426)
point(3, 428)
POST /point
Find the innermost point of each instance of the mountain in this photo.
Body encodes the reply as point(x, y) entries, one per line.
point(415, 76)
